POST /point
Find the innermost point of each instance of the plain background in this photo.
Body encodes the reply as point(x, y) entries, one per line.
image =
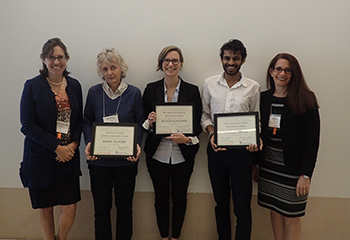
point(316, 32)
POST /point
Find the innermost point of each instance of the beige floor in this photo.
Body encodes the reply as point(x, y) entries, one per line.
point(326, 218)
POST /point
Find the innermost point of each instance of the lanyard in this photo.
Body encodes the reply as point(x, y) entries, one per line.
point(104, 104)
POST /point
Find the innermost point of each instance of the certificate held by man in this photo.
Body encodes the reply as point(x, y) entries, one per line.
point(235, 130)
point(174, 118)
point(113, 140)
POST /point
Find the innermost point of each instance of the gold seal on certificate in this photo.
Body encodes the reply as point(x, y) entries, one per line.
point(234, 130)
point(174, 118)
point(113, 140)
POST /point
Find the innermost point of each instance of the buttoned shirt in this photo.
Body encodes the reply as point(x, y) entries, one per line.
point(218, 97)
point(168, 151)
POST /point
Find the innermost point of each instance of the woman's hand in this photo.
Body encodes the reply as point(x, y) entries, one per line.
point(303, 186)
point(73, 145)
point(255, 173)
point(214, 146)
point(134, 159)
point(152, 117)
point(88, 153)
point(179, 138)
point(64, 153)
point(254, 147)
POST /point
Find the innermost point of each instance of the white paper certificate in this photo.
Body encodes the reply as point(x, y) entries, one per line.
point(173, 118)
point(236, 129)
point(113, 140)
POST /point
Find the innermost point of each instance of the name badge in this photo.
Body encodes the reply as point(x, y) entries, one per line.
point(62, 127)
point(275, 121)
point(111, 119)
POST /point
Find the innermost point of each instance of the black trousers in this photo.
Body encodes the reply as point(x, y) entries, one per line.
point(103, 180)
point(168, 178)
point(231, 171)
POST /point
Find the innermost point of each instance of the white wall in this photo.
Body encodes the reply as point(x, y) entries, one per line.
point(316, 32)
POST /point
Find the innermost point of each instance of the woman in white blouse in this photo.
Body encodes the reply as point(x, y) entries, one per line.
point(170, 159)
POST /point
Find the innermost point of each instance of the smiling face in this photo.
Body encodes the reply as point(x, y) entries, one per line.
point(232, 62)
point(281, 73)
point(111, 72)
point(55, 66)
point(168, 67)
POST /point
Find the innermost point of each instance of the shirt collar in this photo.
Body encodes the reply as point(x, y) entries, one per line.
point(121, 88)
point(177, 87)
point(241, 82)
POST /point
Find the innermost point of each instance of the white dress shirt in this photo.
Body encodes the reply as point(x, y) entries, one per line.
point(218, 97)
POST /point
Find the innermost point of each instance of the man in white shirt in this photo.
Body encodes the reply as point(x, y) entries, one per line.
point(230, 169)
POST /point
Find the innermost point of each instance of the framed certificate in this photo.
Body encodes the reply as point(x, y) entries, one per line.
point(174, 118)
point(113, 140)
point(235, 130)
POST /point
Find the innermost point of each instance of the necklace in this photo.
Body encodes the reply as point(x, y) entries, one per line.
point(53, 83)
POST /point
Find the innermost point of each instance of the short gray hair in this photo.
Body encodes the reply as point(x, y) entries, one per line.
point(110, 55)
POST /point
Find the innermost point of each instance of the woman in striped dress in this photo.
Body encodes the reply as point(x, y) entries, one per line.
point(290, 130)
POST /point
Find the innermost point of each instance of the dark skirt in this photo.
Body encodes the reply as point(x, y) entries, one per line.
point(66, 191)
point(277, 186)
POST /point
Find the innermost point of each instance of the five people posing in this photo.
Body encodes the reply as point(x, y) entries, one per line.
point(286, 155)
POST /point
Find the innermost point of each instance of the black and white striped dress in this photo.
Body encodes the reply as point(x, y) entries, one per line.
point(277, 184)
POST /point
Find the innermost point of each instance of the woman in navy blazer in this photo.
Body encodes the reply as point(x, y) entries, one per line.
point(290, 131)
point(170, 160)
point(51, 117)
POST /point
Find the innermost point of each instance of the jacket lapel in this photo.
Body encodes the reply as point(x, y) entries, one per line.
point(183, 92)
point(160, 92)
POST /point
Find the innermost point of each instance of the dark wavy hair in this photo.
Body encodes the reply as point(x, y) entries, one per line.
point(299, 96)
point(48, 50)
point(234, 45)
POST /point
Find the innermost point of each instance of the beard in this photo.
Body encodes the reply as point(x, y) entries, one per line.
point(232, 72)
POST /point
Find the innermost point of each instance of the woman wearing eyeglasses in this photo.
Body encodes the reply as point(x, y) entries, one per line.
point(290, 130)
point(170, 159)
point(51, 118)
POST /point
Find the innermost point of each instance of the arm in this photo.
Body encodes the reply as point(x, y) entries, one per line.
point(89, 118)
point(30, 120)
point(78, 129)
point(312, 140)
point(255, 107)
point(139, 115)
point(149, 114)
point(255, 101)
point(206, 121)
point(206, 112)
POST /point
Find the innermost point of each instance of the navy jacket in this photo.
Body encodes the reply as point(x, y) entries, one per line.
point(188, 93)
point(300, 135)
point(38, 111)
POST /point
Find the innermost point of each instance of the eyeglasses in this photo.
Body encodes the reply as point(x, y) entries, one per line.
point(60, 58)
point(279, 70)
point(174, 61)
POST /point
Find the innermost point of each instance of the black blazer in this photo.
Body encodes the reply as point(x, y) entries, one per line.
point(189, 93)
point(300, 135)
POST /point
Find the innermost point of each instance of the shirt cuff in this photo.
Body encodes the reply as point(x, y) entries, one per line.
point(194, 141)
point(145, 124)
